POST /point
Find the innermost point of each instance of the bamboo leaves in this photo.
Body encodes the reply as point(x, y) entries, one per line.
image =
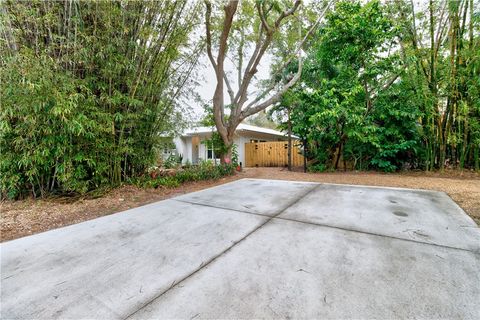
point(84, 85)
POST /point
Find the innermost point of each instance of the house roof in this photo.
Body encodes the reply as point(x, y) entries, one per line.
point(241, 127)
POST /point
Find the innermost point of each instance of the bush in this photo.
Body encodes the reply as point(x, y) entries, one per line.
point(318, 167)
point(204, 171)
point(82, 113)
point(172, 161)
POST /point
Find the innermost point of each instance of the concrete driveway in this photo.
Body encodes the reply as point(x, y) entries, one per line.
point(255, 249)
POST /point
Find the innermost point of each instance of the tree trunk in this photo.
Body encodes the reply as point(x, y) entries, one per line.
point(338, 155)
point(304, 142)
point(264, 37)
point(475, 158)
point(226, 158)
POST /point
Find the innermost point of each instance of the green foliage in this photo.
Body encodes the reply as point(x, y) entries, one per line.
point(442, 70)
point(356, 105)
point(215, 141)
point(334, 107)
point(262, 119)
point(398, 132)
point(172, 161)
point(49, 129)
point(318, 167)
point(205, 170)
point(235, 156)
point(86, 96)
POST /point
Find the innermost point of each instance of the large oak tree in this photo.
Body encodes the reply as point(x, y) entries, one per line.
point(241, 24)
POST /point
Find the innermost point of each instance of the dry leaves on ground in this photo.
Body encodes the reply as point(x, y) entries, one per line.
point(25, 217)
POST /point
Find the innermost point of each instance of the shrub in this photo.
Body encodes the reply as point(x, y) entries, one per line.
point(318, 167)
point(82, 113)
point(205, 170)
point(172, 161)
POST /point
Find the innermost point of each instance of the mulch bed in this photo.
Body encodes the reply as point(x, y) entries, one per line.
point(26, 217)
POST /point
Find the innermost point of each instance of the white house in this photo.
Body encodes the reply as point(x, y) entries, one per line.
point(190, 145)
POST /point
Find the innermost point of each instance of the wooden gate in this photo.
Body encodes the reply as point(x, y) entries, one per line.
point(272, 154)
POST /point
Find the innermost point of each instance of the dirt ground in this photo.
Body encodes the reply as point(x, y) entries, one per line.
point(25, 217)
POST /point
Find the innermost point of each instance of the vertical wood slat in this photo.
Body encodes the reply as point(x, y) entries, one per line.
point(271, 154)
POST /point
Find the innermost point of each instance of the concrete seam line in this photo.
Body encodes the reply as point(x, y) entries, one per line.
point(204, 265)
point(295, 201)
point(276, 216)
point(209, 188)
point(378, 235)
point(217, 207)
point(350, 185)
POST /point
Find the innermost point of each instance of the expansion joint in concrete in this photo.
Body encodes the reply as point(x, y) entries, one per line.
point(234, 244)
point(277, 216)
point(218, 207)
point(377, 235)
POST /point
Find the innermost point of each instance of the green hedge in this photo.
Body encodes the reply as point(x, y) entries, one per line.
point(203, 171)
point(84, 106)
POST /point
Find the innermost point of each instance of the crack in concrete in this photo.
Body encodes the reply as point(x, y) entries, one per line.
point(234, 244)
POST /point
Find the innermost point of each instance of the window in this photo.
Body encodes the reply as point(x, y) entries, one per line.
point(209, 149)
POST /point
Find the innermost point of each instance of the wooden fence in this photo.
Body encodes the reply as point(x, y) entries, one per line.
point(272, 154)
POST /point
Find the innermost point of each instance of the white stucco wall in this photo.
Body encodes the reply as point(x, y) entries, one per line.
point(202, 150)
point(240, 142)
point(184, 147)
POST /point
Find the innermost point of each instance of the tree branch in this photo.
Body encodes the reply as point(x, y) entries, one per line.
point(208, 15)
point(276, 97)
point(248, 69)
point(386, 85)
point(255, 59)
point(287, 13)
point(263, 17)
point(296, 52)
point(218, 104)
point(209, 47)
